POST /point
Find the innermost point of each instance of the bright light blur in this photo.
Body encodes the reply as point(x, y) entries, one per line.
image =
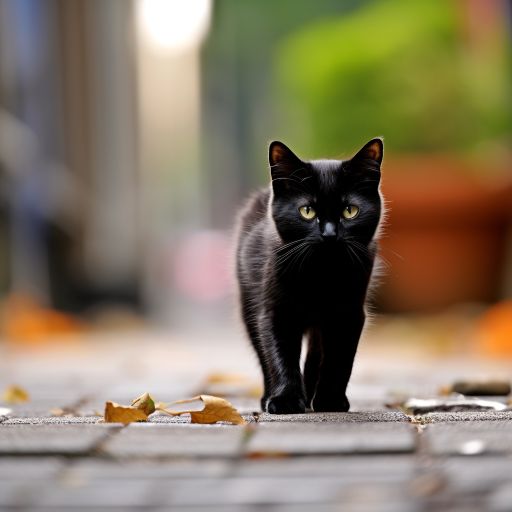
point(174, 25)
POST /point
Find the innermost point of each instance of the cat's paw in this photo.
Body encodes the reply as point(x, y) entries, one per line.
point(287, 403)
point(330, 404)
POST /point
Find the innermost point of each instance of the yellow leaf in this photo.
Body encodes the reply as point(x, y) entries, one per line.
point(215, 409)
point(115, 413)
point(15, 395)
point(144, 403)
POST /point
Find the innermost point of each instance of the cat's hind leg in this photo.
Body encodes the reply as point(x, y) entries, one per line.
point(312, 364)
point(249, 316)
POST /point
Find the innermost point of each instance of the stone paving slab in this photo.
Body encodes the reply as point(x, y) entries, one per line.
point(253, 491)
point(296, 507)
point(30, 468)
point(103, 492)
point(52, 439)
point(42, 407)
point(500, 499)
point(441, 417)
point(328, 438)
point(265, 493)
point(208, 508)
point(376, 468)
point(98, 495)
point(52, 420)
point(470, 438)
point(147, 469)
point(335, 417)
point(82, 508)
point(177, 440)
point(475, 474)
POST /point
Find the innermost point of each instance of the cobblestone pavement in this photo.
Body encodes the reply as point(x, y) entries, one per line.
point(370, 459)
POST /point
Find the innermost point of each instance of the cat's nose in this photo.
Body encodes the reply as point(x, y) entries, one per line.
point(329, 231)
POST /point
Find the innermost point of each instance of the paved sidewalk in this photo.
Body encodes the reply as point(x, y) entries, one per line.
point(370, 459)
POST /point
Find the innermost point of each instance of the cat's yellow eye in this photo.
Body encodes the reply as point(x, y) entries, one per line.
point(350, 211)
point(307, 212)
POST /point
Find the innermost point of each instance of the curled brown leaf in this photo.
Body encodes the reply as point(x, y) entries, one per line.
point(115, 413)
point(215, 409)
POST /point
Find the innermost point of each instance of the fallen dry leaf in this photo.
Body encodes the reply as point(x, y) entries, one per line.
point(115, 413)
point(15, 395)
point(215, 409)
point(144, 403)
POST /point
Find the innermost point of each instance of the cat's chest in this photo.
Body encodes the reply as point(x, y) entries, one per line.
point(326, 283)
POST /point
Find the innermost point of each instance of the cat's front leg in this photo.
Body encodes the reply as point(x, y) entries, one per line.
point(283, 341)
point(339, 345)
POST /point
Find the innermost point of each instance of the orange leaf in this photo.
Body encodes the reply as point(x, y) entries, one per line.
point(115, 413)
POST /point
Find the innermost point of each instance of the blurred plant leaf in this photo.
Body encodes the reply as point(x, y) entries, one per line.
point(15, 395)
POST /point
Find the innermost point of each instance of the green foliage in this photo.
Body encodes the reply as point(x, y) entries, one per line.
point(396, 68)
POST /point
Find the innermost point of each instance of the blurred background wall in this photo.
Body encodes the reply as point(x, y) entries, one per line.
point(130, 131)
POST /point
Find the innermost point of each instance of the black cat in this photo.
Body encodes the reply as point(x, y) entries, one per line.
point(305, 255)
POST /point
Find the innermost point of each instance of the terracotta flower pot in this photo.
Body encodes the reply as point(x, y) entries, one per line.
point(446, 235)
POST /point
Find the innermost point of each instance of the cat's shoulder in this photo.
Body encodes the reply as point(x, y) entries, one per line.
point(255, 208)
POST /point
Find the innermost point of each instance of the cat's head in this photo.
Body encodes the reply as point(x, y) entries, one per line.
point(326, 201)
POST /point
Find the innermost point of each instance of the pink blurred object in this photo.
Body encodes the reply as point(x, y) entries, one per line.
point(201, 266)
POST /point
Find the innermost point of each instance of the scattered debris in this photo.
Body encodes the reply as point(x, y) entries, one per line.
point(450, 404)
point(4, 411)
point(213, 409)
point(15, 395)
point(479, 388)
point(204, 409)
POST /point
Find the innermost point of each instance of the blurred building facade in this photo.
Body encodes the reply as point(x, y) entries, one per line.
point(130, 131)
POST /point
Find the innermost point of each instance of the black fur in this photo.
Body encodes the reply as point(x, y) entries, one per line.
point(309, 277)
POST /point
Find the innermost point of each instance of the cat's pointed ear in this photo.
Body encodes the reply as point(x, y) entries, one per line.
point(372, 151)
point(282, 159)
point(288, 171)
